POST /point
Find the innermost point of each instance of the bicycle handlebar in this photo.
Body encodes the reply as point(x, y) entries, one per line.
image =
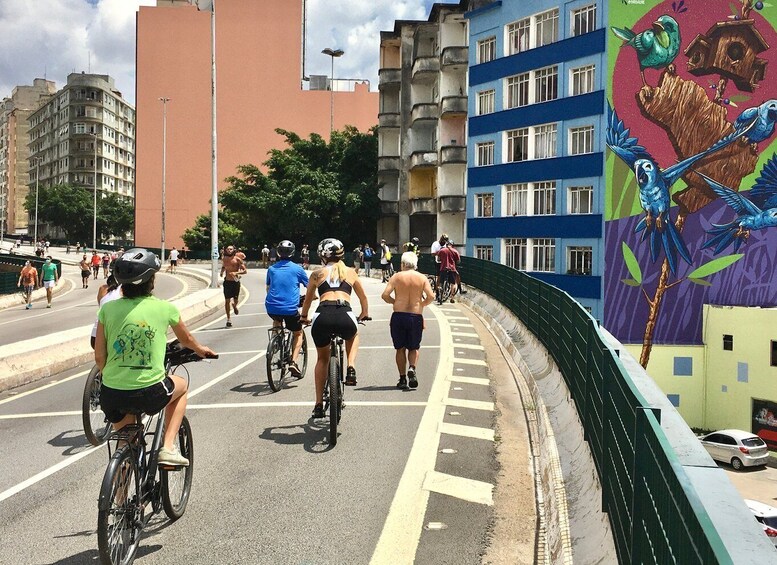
point(177, 355)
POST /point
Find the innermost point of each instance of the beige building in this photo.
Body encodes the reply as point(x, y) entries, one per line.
point(63, 133)
point(422, 150)
point(14, 152)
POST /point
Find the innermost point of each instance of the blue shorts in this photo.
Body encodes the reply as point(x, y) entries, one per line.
point(406, 330)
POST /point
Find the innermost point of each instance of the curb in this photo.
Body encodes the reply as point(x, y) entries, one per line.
point(16, 299)
point(29, 361)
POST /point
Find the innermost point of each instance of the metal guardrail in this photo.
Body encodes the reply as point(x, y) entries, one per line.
point(654, 511)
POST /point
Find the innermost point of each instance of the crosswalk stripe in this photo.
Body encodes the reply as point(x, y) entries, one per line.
point(467, 431)
point(469, 346)
point(459, 487)
point(473, 404)
point(469, 380)
point(463, 334)
point(470, 361)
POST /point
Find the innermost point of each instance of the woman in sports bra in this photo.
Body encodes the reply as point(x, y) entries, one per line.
point(334, 283)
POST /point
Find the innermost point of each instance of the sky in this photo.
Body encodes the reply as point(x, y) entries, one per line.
point(52, 38)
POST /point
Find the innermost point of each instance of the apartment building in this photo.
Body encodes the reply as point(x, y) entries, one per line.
point(422, 147)
point(84, 135)
point(14, 151)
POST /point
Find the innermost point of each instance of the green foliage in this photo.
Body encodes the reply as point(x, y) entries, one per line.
point(631, 264)
point(714, 266)
point(198, 237)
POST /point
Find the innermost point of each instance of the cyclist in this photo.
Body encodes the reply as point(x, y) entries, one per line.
point(412, 245)
point(130, 352)
point(436, 246)
point(282, 302)
point(333, 316)
point(448, 258)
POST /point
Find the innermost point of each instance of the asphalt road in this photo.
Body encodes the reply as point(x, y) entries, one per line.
point(409, 480)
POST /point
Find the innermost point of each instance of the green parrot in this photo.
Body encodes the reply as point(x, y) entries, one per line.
point(656, 47)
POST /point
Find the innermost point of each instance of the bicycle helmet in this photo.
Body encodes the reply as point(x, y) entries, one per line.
point(414, 241)
point(136, 266)
point(331, 249)
point(286, 249)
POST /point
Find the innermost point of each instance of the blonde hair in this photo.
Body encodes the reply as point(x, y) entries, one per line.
point(409, 260)
point(337, 272)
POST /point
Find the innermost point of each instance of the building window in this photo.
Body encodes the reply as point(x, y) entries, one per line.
point(581, 140)
point(545, 198)
point(728, 342)
point(517, 198)
point(584, 20)
point(515, 253)
point(487, 50)
point(79, 128)
point(544, 252)
point(518, 36)
point(773, 357)
point(546, 27)
point(485, 102)
point(485, 153)
point(579, 260)
point(517, 145)
point(485, 252)
point(518, 91)
point(581, 199)
point(545, 141)
point(583, 80)
point(484, 205)
point(546, 84)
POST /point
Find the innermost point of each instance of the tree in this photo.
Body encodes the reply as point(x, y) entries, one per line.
point(198, 237)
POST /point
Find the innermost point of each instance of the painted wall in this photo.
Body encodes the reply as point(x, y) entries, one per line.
point(258, 54)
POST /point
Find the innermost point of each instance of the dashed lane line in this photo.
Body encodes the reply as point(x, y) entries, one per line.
point(459, 487)
point(40, 388)
point(479, 362)
point(473, 404)
point(469, 346)
point(467, 431)
point(464, 334)
point(469, 380)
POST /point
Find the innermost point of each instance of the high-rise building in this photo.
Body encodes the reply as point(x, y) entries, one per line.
point(14, 151)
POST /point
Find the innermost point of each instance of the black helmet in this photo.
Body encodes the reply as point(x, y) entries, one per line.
point(286, 249)
point(331, 248)
point(414, 240)
point(136, 266)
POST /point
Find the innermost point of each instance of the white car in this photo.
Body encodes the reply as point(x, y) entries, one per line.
point(736, 447)
point(767, 516)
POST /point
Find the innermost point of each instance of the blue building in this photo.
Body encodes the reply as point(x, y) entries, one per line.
point(536, 127)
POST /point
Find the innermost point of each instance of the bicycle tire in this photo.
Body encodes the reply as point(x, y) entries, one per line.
point(120, 515)
point(276, 368)
point(97, 428)
point(333, 380)
point(302, 359)
point(177, 484)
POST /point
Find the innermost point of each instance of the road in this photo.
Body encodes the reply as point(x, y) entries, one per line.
point(410, 479)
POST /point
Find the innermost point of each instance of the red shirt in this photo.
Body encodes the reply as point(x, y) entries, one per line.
point(95, 260)
point(448, 258)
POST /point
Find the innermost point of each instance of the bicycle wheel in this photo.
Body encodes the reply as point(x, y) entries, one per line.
point(276, 366)
point(177, 483)
point(120, 514)
point(333, 380)
point(302, 359)
point(97, 428)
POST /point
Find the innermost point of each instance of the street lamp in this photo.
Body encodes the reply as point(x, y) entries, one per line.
point(164, 168)
point(37, 183)
point(94, 226)
point(332, 53)
point(214, 195)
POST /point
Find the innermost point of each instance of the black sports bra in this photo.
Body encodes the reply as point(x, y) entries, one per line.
point(324, 287)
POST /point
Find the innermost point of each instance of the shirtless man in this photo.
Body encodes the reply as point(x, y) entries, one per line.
point(232, 267)
point(412, 292)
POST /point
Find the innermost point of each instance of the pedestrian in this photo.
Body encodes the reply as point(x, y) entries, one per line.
point(357, 258)
point(412, 292)
point(120, 253)
point(273, 255)
point(265, 256)
point(232, 267)
point(183, 255)
point(27, 279)
point(67, 248)
point(46, 245)
point(368, 254)
point(86, 269)
point(305, 254)
point(95, 263)
point(49, 278)
point(106, 263)
point(385, 260)
point(173, 260)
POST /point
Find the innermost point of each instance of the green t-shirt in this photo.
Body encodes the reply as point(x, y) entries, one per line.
point(49, 271)
point(136, 336)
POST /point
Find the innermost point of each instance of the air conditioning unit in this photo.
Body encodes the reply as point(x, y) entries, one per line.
point(319, 82)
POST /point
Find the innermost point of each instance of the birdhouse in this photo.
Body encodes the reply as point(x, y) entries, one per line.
point(730, 50)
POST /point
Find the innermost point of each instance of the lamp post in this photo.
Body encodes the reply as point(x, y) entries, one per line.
point(332, 54)
point(214, 195)
point(37, 183)
point(164, 169)
point(94, 225)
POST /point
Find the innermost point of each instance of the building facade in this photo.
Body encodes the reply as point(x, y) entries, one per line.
point(15, 111)
point(422, 135)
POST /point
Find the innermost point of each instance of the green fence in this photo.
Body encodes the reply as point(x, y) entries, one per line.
point(654, 511)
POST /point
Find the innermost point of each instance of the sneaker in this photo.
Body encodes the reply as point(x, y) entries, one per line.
point(402, 384)
point(48, 305)
point(412, 380)
point(172, 457)
point(294, 370)
point(452, 301)
point(318, 411)
point(28, 306)
point(350, 377)
point(229, 324)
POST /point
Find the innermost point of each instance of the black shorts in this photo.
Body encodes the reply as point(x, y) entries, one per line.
point(406, 330)
point(174, 262)
point(292, 321)
point(85, 274)
point(96, 268)
point(385, 266)
point(448, 275)
point(333, 318)
point(231, 289)
point(150, 400)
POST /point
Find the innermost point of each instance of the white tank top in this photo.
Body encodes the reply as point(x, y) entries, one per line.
point(111, 295)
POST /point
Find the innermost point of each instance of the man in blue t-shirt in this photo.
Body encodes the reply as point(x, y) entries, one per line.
point(282, 302)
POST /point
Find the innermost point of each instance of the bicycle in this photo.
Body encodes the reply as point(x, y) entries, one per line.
point(97, 428)
point(279, 354)
point(131, 482)
point(445, 290)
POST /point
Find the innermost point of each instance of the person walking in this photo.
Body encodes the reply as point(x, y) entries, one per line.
point(232, 267)
point(67, 248)
point(173, 259)
point(95, 264)
point(273, 255)
point(357, 258)
point(106, 263)
point(265, 256)
point(411, 294)
point(305, 254)
point(86, 270)
point(27, 279)
point(48, 279)
point(368, 254)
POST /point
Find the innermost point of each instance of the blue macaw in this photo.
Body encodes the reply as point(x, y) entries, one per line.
point(656, 47)
point(763, 193)
point(654, 185)
point(750, 217)
point(762, 118)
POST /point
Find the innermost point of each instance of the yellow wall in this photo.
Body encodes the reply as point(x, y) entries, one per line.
point(423, 183)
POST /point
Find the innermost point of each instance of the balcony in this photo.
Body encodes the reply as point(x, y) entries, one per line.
point(452, 204)
point(452, 106)
point(423, 206)
point(389, 78)
point(388, 119)
point(421, 159)
point(454, 58)
point(424, 111)
point(388, 208)
point(426, 68)
point(453, 154)
point(388, 163)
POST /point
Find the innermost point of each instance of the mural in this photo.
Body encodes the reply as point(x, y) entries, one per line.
point(691, 165)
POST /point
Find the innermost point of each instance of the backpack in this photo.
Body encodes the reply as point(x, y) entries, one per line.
point(368, 253)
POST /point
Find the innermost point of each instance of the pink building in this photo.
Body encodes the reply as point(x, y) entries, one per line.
point(258, 73)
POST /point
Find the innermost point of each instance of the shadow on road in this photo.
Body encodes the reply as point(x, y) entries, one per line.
point(255, 389)
point(93, 556)
point(313, 436)
point(375, 388)
point(74, 440)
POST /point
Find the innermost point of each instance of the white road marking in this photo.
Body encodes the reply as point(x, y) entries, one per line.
point(44, 387)
point(250, 351)
point(457, 318)
point(479, 362)
point(473, 404)
point(464, 334)
point(467, 431)
point(459, 487)
point(226, 375)
point(289, 404)
point(470, 346)
point(469, 380)
point(39, 415)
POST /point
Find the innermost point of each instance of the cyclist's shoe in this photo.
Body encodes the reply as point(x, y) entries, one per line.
point(172, 457)
point(318, 411)
point(229, 324)
point(350, 377)
point(452, 301)
point(294, 370)
point(412, 380)
point(402, 384)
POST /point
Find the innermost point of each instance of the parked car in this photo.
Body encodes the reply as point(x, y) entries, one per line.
point(767, 515)
point(737, 447)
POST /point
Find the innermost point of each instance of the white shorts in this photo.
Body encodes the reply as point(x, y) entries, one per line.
point(49, 284)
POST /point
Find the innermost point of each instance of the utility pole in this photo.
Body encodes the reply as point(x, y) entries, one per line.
point(37, 181)
point(94, 226)
point(164, 170)
point(214, 196)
